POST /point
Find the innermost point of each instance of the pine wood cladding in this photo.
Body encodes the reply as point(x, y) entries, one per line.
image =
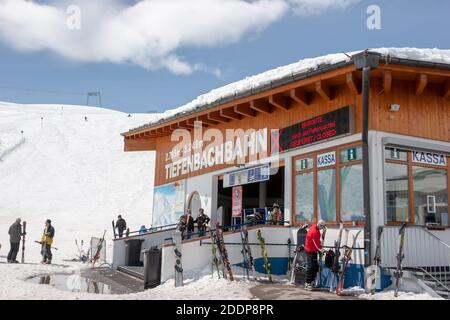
point(422, 93)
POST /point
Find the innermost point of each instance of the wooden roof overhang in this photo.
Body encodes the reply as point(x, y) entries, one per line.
point(282, 96)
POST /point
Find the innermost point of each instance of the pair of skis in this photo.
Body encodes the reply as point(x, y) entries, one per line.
point(398, 274)
point(223, 252)
point(248, 262)
point(24, 231)
point(99, 249)
point(348, 250)
point(337, 254)
point(215, 262)
point(262, 244)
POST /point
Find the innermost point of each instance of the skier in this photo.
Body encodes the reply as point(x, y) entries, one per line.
point(121, 225)
point(276, 216)
point(182, 226)
point(202, 222)
point(15, 234)
point(47, 241)
point(313, 245)
point(85, 118)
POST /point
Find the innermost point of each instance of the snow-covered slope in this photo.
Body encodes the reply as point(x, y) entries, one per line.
point(72, 171)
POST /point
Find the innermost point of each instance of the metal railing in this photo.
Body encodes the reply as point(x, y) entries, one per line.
point(424, 253)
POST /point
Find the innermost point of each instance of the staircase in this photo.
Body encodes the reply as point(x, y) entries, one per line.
point(427, 256)
point(438, 279)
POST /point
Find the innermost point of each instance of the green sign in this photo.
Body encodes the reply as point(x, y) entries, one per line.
point(395, 154)
point(352, 154)
point(304, 164)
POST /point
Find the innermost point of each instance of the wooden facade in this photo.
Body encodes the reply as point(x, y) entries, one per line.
point(422, 93)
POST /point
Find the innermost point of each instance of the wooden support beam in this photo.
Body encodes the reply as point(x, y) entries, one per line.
point(352, 83)
point(204, 118)
point(215, 116)
point(185, 125)
point(300, 95)
point(261, 105)
point(323, 90)
point(230, 114)
point(174, 126)
point(280, 101)
point(387, 81)
point(245, 110)
point(192, 121)
point(167, 129)
point(447, 88)
point(421, 83)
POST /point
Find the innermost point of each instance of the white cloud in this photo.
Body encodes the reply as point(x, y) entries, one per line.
point(147, 33)
point(315, 7)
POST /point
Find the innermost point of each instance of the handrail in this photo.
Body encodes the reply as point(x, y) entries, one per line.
point(435, 279)
point(423, 252)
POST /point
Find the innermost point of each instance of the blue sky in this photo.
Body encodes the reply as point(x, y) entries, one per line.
point(44, 76)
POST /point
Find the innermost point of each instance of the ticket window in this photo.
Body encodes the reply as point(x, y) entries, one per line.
point(331, 190)
point(416, 188)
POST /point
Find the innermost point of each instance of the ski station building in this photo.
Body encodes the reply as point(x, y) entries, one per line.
point(360, 139)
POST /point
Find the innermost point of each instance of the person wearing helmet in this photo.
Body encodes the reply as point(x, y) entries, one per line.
point(312, 247)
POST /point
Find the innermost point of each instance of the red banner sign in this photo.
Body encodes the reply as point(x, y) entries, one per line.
point(236, 202)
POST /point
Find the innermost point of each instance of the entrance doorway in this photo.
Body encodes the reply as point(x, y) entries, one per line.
point(255, 195)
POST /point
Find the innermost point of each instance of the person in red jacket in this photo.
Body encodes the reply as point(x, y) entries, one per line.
point(312, 247)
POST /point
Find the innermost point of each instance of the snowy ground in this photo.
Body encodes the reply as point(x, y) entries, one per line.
point(197, 285)
point(72, 171)
point(76, 173)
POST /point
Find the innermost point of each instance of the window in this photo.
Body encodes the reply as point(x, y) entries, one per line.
point(328, 186)
point(416, 186)
point(352, 198)
point(397, 203)
point(304, 193)
point(430, 196)
point(326, 197)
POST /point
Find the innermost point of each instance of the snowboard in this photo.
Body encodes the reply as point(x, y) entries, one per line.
point(178, 266)
point(373, 282)
point(298, 269)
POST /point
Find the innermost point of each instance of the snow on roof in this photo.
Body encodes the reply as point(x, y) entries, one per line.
point(300, 67)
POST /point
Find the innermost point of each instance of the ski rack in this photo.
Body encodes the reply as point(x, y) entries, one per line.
point(275, 244)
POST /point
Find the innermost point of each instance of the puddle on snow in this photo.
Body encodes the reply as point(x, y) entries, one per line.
point(72, 283)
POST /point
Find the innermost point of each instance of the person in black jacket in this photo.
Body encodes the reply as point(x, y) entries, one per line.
point(186, 225)
point(121, 225)
point(202, 222)
point(15, 234)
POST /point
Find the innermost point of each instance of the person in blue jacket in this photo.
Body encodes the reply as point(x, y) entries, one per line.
point(142, 230)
